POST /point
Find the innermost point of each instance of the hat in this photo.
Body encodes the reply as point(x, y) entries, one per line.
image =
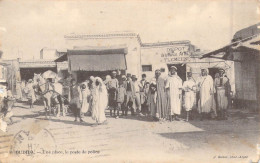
point(173, 67)
point(30, 80)
point(113, 72)
point(123, 76)
point(143, 75)
point(128, 75)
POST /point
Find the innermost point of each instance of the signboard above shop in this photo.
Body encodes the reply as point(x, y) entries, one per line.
point(175, 54)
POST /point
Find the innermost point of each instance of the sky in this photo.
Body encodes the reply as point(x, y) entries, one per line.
point(28, 26)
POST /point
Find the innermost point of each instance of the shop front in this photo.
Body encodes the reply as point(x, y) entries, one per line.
point(95, 62)
point(184, 56)
point(29, 68)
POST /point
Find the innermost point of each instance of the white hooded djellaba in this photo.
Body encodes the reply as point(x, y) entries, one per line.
point(207, 103)
point(100, 101)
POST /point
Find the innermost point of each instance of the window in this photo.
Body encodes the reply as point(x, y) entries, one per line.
point(147, 68)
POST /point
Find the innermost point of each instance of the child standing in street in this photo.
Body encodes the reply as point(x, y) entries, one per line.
point(121, 92)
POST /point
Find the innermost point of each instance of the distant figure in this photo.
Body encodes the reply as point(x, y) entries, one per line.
point(19, 94)
point(100, 101)
point(215, 92)
point(121, 93)
point(31, 94)
point(23, 84)
point(136, 96)
point(85, 97)
point(174, 92)
point(130, 91)
point(66, 87)
point(142, 87)
point(145, 102)
point(152, 98)
point(107, 81)
point(91, 86)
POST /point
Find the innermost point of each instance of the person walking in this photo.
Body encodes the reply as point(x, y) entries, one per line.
point(100, 101)
point(85, 97)
point(91, 86)
point(76, 100)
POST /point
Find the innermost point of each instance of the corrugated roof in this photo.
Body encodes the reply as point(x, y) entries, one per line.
point(246, 44)
point(247, 32)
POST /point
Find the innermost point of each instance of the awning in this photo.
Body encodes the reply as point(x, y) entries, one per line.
point(247, 44)
point(104, 62)
point(95, 60)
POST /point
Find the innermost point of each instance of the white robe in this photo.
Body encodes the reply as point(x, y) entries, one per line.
point(206, 94)
point(85, 102)
point(100, 101)
point(174, 86)
point(190, 97)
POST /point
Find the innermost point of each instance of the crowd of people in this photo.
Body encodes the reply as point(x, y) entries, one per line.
point(163, 99)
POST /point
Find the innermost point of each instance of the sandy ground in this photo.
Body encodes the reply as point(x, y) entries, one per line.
point(131, 139)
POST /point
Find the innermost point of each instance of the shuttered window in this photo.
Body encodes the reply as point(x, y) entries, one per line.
point(147, 68)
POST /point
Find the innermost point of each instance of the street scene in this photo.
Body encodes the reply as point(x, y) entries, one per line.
point(85, 93)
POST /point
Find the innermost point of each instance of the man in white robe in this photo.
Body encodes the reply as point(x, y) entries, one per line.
point(174, 92)
point(206, 88)
point(189, 87)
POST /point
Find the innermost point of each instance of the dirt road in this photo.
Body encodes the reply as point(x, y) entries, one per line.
point(132, 139)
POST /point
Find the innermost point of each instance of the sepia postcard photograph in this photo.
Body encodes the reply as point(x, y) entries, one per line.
point(130, 81)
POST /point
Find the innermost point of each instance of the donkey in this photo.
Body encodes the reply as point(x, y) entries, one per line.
point(44, 88)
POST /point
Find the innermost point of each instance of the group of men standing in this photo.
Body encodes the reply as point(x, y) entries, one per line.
point(163, 98)
point(198, 94)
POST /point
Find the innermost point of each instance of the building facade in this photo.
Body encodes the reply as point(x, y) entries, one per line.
point(244, 50)
point(141, 58)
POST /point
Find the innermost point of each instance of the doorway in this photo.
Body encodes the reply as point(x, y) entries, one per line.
point(181, 70)
point(28, 73)
point(213, 71)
